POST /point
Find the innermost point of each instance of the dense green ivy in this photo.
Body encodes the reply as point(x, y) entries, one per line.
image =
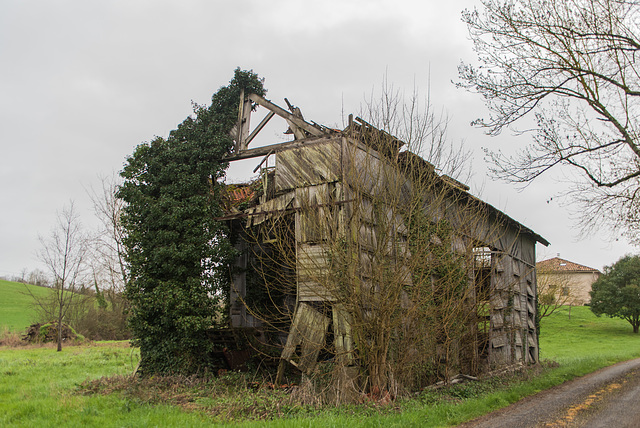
point(177, 252)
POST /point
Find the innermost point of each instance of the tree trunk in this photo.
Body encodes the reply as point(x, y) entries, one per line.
point(60, 323)
point(59, 334)
point(635, 327)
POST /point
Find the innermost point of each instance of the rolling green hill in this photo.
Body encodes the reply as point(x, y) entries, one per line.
point(17, 310)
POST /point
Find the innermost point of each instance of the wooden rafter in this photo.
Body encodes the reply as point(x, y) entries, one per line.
point(275, 148)
point(300, 128)
point(289, 117)
point(255, 132)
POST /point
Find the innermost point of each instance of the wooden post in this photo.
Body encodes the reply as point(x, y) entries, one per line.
point(239, 135)
point(244, 116)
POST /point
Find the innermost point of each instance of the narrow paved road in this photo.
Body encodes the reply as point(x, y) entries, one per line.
point(608, 398)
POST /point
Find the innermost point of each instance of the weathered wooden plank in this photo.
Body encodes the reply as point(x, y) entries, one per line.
point(499, 340)
point(268, 209)
point(279, 147)
point(310, 291)
point(404, 274)
point(518, 353)
point(312, 272)
point(308, 329)
point(497, 320)
point(460, 244)
point(528, 245)
point(365, 208)
point(516, 268)
point(317, 216)
point(343, 338)
point(531, 308)
point(530, 289)
point(517, 304)
point(366, 261)
point(312, 259)
point(368, 174)
point(242, 127)
point(308, 166)
point(239, 316)
point(503, 282)
point(498, 301)
point(517, 321)
point(507, 239)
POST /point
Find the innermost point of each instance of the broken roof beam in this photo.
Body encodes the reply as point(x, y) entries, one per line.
point(314, 130)
point(275, 148)
point(293, 129)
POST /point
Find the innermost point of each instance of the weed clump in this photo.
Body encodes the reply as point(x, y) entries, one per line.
point(10, 338)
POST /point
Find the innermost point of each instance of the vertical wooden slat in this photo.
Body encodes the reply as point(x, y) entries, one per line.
point(343, 339)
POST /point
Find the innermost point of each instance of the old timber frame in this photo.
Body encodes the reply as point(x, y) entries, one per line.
point(315, 183)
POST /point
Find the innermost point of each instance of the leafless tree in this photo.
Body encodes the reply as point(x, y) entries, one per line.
point(107, 266)
point(414, 119)
point(23, 275)
point(554, 291)
point(108, 263)
point(573, 65)
point(64, 253)
point(38, 277)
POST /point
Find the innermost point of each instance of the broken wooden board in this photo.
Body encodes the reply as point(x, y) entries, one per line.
point(268, 210)
point(308, 329)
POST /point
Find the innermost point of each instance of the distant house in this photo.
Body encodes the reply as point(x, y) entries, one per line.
point(569, 278)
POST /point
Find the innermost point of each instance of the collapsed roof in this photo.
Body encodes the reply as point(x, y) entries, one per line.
point(307, 134)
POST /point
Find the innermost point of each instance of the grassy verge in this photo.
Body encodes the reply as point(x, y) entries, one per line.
point(17, 311)
point(39, 387)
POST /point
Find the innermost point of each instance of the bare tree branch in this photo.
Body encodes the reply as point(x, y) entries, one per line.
point(572, 63)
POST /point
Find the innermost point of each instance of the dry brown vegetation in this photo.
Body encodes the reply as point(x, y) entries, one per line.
point(237, 396)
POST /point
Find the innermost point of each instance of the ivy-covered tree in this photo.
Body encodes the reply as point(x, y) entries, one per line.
point(617, 292)
point(176, 251)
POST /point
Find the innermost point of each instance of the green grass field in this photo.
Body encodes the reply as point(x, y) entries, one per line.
point(575, 333)
point(40, 387)
point(17, 311)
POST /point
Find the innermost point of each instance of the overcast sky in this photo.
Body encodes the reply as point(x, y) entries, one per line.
point(83, 82)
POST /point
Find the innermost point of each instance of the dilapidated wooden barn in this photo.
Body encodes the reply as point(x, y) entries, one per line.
point(335, 214)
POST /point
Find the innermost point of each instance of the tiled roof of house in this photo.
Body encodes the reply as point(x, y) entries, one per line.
point(558, 264)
